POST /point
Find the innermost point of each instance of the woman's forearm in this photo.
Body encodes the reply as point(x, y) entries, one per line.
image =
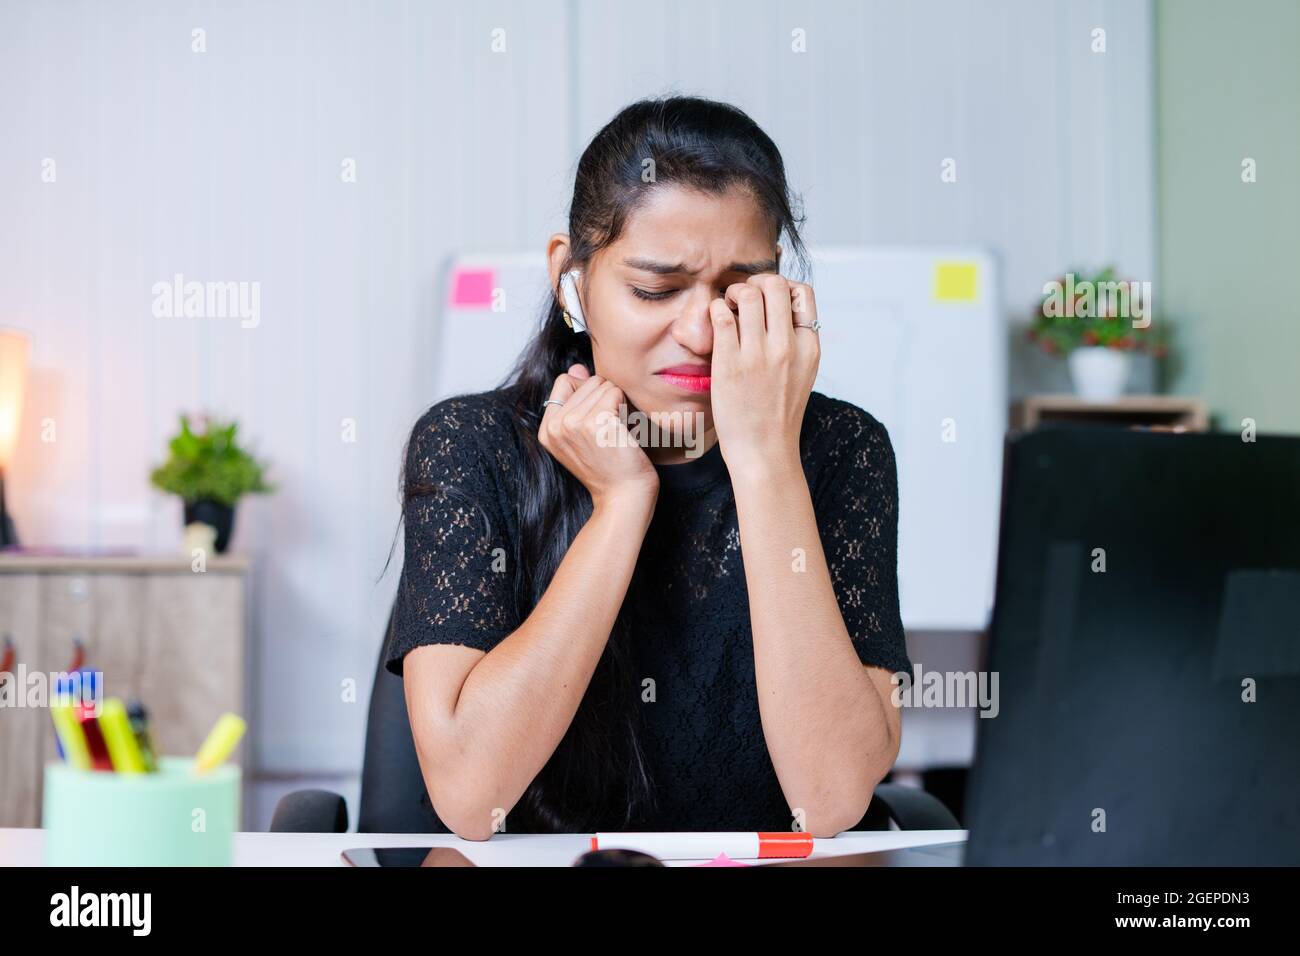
point(827, 729)
point(519, 700)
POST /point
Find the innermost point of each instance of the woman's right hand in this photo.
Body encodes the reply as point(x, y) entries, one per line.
point(586, 436)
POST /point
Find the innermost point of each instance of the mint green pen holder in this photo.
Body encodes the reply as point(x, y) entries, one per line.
point(168, 818)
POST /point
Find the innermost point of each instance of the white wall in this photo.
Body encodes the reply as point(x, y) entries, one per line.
point(225, 165)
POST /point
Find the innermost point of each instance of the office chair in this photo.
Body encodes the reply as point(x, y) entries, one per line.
point(394, 798)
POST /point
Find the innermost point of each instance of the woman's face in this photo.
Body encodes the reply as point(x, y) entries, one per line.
point(646, 296)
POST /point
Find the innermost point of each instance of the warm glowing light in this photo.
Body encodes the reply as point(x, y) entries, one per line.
point(14, 347)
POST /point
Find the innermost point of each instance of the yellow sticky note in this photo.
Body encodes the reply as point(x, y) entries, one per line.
point(955, 281)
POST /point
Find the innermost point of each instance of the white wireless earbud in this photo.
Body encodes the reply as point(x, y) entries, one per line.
point(571, 303)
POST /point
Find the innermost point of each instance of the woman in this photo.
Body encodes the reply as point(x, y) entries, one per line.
point(585, 644)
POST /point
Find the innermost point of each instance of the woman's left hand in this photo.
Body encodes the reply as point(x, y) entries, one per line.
point(763, 369)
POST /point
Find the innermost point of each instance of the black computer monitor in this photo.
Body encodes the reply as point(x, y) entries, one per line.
point(1146, 636)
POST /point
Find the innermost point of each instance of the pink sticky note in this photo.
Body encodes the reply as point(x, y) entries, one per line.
point(472, 288)
point(723, 860)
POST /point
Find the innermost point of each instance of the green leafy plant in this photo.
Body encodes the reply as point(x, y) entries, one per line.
point(1080, 311)
point(208, 464)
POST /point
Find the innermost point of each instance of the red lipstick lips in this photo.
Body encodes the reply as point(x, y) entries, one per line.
point(692, 378)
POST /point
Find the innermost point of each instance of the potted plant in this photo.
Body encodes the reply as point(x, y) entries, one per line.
point(1097, 322)
point(209, 471)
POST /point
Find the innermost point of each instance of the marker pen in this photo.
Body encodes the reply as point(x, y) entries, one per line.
point(139, 720)
point(706, 846)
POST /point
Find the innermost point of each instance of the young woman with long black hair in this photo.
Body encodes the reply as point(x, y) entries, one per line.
point(584, 641)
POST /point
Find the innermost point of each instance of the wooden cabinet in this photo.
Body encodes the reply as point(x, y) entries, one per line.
point(1173, 413)
point(20, 726)
point(158, 631)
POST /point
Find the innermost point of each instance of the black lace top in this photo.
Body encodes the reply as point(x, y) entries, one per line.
point(703, 738)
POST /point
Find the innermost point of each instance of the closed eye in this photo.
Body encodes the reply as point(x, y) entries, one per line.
point(652, 296)
point(665, 294)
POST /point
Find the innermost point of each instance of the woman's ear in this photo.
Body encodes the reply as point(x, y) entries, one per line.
point(557, 250)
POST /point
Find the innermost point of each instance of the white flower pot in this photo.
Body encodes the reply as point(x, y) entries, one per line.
point(1099, 374)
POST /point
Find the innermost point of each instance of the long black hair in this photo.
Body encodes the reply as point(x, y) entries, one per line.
point(598, 777)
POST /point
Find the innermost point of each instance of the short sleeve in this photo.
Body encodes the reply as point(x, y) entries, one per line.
point(454, 586)
point(857, 512)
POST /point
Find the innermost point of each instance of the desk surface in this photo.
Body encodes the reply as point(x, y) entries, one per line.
point(25, 847)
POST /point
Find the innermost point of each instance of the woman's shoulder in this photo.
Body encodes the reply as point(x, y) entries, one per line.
point(463, 427)
point(833, 428)
point(476, 413)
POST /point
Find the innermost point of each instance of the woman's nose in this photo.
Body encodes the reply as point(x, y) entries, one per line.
point(693, 328)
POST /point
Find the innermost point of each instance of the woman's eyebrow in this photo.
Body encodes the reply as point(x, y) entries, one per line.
point(678, 268)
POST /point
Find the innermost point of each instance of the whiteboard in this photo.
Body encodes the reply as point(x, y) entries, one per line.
point(914, 335)
point(930, 363)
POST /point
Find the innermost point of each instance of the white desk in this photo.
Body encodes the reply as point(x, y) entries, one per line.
point(25, 847)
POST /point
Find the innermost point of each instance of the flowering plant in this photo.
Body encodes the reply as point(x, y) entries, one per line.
point(1099, 310)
